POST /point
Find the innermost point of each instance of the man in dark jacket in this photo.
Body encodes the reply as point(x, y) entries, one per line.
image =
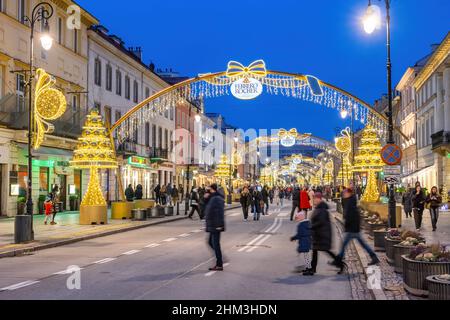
point(265, 198)
point(295, 201)
point(157, 192)
point(352, 227)
point(129, 193)
point(215, 224)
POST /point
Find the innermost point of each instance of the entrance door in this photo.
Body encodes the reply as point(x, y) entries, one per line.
point(63, 191)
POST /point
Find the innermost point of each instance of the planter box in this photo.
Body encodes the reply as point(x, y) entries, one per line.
point(169, 212)
point(121, 210)
point(415, 274)
point(93, 215)
point(378, 240)
point(373, 227)
point(400, 251)
point(438, 289)
point(156, 212)
point(389, 246)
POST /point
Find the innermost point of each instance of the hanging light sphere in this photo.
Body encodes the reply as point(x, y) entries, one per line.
point(344, 113)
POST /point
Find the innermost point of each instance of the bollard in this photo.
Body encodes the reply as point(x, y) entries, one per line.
point(178, 208)
point(22, 229)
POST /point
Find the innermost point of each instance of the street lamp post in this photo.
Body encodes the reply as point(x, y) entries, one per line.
point(372, 21)
point(42, 12)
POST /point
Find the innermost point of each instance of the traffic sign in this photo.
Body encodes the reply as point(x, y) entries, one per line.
point(392, 180)
point(392, 170)
point(391, 154)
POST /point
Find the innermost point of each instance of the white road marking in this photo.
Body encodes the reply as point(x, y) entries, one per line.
point(284, 214)
point(209, 274)
point(129, 253)
point(170, 240)
point(152, 245)
point(184, 235)
point(67, 271)
point(19, 285)
point(266, 237)
point(196, 231)
point(260, 236)
point(104, 260)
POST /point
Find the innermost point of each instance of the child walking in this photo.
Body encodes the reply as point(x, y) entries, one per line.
point(303, 237)
point(48, 207)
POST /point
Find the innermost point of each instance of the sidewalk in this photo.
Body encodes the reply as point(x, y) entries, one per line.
point(69, 231)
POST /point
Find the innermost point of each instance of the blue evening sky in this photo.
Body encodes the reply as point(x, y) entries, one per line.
point(322, 38)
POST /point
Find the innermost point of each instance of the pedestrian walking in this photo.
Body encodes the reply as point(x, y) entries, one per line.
point(271, 195)
point(311, 197)
point(157, 192)
point(321, 231)
point(265, 198)
point(295, 202)
point(175, 195)
point(418, 201)
point(282, 195)
point(215, 224)
point(48, 207)
point(169, 194)
point(195, 203)
point(245, 200)
point(303, 237)
point(434, 201)
point(352, 228)
point(257, 201)
point(407, 203)
point(163, 195)
point(305, 204)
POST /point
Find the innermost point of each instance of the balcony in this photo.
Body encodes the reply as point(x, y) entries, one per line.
point(158, 154)
point(127, 148)
point(14, 115)
point(441, 142)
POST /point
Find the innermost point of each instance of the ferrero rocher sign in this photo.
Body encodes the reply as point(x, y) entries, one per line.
point(246, 88)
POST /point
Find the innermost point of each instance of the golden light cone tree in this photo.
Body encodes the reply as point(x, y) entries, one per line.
point(222, 171)
point(344, 146)
point(94, 151)
point(368, 159)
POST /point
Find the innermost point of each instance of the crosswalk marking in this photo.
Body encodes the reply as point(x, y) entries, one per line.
point(170, 240)
point(129, 253)
point(152, 245)
point(106, 260)
point(19, 285)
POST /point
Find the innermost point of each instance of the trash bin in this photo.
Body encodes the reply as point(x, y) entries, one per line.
point(169, 211)
point(156, 212)
point(139, 214)
point(22, 229)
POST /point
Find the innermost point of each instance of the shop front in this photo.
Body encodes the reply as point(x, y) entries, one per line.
point(140, 171)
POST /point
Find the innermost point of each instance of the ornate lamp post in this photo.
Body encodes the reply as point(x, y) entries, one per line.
point(42, 12)
point(372, 21)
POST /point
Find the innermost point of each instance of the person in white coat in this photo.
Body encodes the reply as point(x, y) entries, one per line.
point(311, 197)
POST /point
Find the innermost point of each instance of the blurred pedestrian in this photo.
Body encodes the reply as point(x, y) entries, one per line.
point(305, 205)
point(265, 198)
point(418, 201)
point(245, 200)
point(48, 207)
point(295, 202)
point(195, 203)
point(407, 203)
point(157, 192)
point(139, 192)
point(303, 237)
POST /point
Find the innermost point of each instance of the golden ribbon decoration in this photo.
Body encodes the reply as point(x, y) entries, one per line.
point(344, 142)
point(283, 133)
point(256, 69)
point(49, 104)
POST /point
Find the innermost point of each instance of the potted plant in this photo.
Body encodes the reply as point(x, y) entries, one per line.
point(411, 240)
point(21, 205)
point(41, 201)
point(439, 287)
point(74, 203)
point(375, 224)
point(422, 262)
point(392, 238)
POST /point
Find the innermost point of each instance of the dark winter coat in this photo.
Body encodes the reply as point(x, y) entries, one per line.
point(351, 215)
point(435, 200)
point(406, 201)
point(418, 200)
point(139, 194)
point(195, 199)
point(129, 194)
point(321, 227)
point(246, 199)
point(303, 236)
point(296, 195)
point(265, 195)
point(215, 213)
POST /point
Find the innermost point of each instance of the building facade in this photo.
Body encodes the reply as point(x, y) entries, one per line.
point(67, 62)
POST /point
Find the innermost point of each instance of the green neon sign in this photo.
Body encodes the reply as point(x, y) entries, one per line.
point(44, 163)
point(139, 162)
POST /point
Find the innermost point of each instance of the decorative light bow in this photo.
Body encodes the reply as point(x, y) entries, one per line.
point(344, 142)
point(256, 69)
point(49, 104)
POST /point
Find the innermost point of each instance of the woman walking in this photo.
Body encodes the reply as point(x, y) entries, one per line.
point(195, 204)
point(321, 231)
point(305, 205)
point(246, 201)
point(435, 201)
point(407, 203)
point(418, 201)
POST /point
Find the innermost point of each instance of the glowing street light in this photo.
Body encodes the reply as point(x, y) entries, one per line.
point(372, 18)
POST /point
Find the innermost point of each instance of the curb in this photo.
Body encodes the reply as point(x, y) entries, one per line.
point(377, 293)
point(22, 251)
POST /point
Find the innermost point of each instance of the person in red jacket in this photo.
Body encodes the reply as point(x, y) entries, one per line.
point(304, 201)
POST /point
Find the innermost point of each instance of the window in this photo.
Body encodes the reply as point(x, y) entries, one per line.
point(166, 139)
point(147, 94)
point(127, 87)
point(166, 113)
point(135, 133)
point(154, 136)
point(147, 134)
point(135, 91)
point(43, 179)
point(60, 30)
point(75, 114)
point(75, 40)
point(118, 83)
point(171, 113)
point(2, 6)
point(160, 137)
point(108, 77)
point(21, 11)
point(118, 115)
point(98, 72)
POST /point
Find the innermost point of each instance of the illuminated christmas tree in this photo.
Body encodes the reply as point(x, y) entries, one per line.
point(345, 172)
point(368, 159)
point(223, 168)
point(94, 151)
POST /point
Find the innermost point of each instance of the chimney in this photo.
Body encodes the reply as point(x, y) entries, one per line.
point(136, 51)
point(152, 67)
